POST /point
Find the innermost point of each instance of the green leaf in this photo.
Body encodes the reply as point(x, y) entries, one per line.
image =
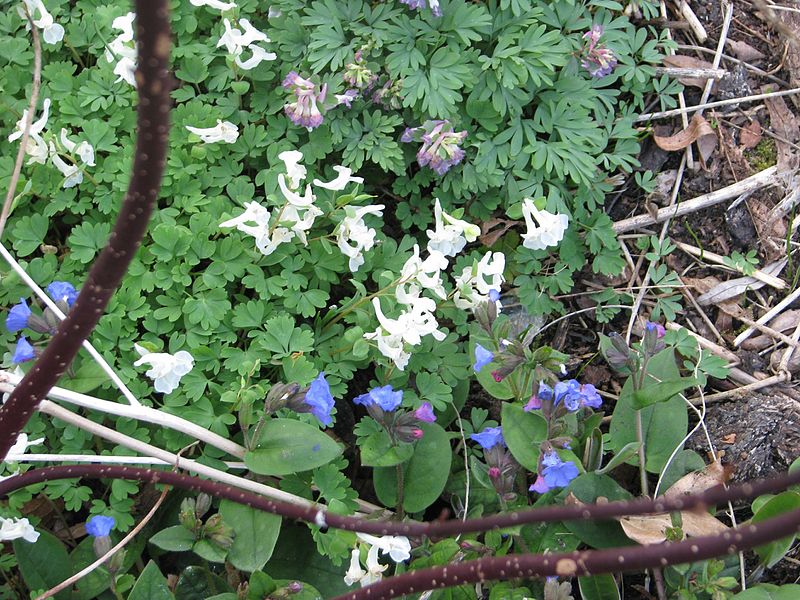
point(28, 233)
point(425, 474)
point(43, 564)
point(599, 534)
point(175, 539)
point(661, 391)
point(207, 309)
point(282, 338)
point(151, 585)
point(768, 591)
point(198, 582)
point(192, 70)
point(771, 553)
point(256, 533)
point(377, 450)
point(288, 446)
point(89, 376)
point(210, 551)
point(664, 425)
point(523, 432)
point(86, 240)
point(624, 455)
point(598, 587)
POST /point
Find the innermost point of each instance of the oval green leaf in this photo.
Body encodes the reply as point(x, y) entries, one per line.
point(288, 446)
point(255, 535)
point(523, 432)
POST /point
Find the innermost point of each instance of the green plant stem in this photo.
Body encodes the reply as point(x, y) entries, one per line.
point(638, 383)
point(358, 303)
point(75, 52)
point(400, 490)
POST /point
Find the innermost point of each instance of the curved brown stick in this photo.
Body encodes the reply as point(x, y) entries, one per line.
point(154, 83)
point(320, 515)
point(588, 562)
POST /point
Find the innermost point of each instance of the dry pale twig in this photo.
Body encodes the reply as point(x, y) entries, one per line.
point(768, 316)
point(23, 143)
point(713, 257)
point(676, 111)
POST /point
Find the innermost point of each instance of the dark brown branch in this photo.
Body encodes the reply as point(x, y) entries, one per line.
point(587, 562)
point(319, 514)
point(154, 83)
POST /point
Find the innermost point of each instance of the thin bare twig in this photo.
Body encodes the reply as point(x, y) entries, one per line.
point(23, 143)
point(690, 109)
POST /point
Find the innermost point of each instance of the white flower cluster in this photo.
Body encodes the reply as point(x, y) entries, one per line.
point(298, 213)
point(123, 49)
point(20, 446)
point(549, 231)
point(166, 369)
point(448, 238)
point(52, 32)
point(397, 547)
point(224, 131)
point(40, 150)
point(240, 39)
point(14, 529)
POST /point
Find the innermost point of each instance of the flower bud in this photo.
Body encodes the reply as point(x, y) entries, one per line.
point(101, 545)
point(218, 532)
point(619, 355)
point(202, 504)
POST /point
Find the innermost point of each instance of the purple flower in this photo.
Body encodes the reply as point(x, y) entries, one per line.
point(319, 398)
point(384, 397)
point(62, 290)
point(658, 327)
point(489, 437)
point(534, 403)
point(539, 486)
point(557, 473)
point(18, 316)
point(590, 397)
point(347, 98)
point(598, 60)
point(421, 4)
point(482, 358)
point(23, 352)
point(440, 145)
point(305, 110)
point(100, 525)
point(494, 295)
point(425, 413)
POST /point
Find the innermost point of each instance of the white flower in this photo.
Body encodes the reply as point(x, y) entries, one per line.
point(13, 529)
point(341, 181)
point(293, 197)
point(299, 225)
point(215, 4)
point(355, 573)
point(273, 13)
point(20, 446)
point(52, 32)
point(72, 174)
point(258, 55)
point(425, 272)
point(123, 50)
point(449, 239)
point(353, 230)
point(167, 369)
point(224, 131)
point(294, 170)
point(374, 572)
point(473, 287)
point(396, 546)
point(84, 150)
point(266, 240)
point(550, 230)
point(236, 41)
point(36, 126)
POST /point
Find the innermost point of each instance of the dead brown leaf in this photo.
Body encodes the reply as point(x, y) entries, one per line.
point(784, 125)
point(689, 62)
point(493, 229)
point(744, 51)
point(696, 482)
point(768, 228)
point(649, 529)
point(698, 131)
point(750, 135)
point(729, 439)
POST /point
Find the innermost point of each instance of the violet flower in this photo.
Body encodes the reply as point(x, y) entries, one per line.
point(440, 145)
point(422, 4)
point(18, 316)
point(305, 110)
point(598, 60)
point(319, 398)
point(425, 413)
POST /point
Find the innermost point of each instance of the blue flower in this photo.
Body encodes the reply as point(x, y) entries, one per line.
point(569, 393)
point(319, 398)
point(539, 486)
point(489, 437)
point(482, 357)
point(494, 295)
point(385, 397)
point(18, 316)
point(556, 472)
point(62, 290)
point(100, 525)
point(545, 392)
point(657, 327)
point(23, 352)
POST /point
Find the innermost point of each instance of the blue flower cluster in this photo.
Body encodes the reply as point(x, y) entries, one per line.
point(21, 317)
point(384, 397)
point(572, 394)
point(320, 399)
point(489, 438)
point(555, 473)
